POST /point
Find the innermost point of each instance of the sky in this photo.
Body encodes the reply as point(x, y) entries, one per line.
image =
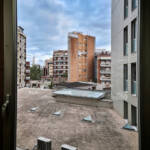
point(46, 24)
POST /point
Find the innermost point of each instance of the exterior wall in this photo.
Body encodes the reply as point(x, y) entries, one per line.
point(118, 58)
point(84, 101)
point(81, 57)
point(48, 69)
point(73, 59)
point(60, 65)
point(27, 80)
point(21, 58)
point(95, 68)
point(90, 57)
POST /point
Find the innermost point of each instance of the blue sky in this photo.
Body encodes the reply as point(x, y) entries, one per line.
point(46, 24)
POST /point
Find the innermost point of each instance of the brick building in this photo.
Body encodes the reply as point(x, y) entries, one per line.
point(104, 69)
point(80, 57)
point(60, 65)
point(27, 79)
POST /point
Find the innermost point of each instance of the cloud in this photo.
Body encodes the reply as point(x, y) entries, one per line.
point(47, 23)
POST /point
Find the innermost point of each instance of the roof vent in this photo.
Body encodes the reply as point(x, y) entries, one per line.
point(43, 143)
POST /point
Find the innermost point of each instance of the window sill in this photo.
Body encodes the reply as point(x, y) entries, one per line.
point(133, 9)
point(134, 52)
point(133, 95)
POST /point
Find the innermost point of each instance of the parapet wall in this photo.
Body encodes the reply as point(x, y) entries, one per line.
point(84, 101)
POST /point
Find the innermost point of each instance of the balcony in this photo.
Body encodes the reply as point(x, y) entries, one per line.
point(125, 49)
point(105, 72)
point(61, 61)
point(27, 78)
point(27, 71)
point(125, 85)
point(133, 50)
point(105, 58)
point(105, 65)
point(105, 78)
point(133, 87)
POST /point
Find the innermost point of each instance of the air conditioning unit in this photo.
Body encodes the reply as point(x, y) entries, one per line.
point(67, 147)
point(43, 143)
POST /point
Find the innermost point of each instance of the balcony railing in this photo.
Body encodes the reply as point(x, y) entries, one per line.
point(27, 78)
point(125, 49)
point(125, 85)
point(105, 72)
point(133, 87)
point(105, 79)
point(61, 60)
point(105, 65)
point(133, 45)
point(27, 71)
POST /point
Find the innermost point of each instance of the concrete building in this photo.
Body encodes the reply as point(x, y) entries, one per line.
point(21, 58)
point(60, 65)
point(27, 79)
point(50, 67)
point(104, 69)
point(45, 69)
point(81, 57)
point(124, 58)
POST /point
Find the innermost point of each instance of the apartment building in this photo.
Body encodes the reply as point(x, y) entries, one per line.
point(81, 57)
point(21, 58)
point(60, 65)
point(27, 79)
point(104, 69)
point(50, 67)
point(124, 58)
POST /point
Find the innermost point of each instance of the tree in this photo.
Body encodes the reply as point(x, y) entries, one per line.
point(36, 73)
point(65, 75)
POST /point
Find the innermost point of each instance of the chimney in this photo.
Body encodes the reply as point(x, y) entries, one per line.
point(44, 143)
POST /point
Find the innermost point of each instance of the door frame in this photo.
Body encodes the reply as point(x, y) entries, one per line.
point(8, 74)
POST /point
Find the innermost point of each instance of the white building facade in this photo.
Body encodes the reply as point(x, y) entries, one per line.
point(124, 58)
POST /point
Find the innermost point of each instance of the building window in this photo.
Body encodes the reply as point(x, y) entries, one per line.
point(133, 78)
point(134, 4)
point(133, 115)
point(125, 77)
point(125, 8)
point(125, 41)
point(125, 110)
point(133, 36)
